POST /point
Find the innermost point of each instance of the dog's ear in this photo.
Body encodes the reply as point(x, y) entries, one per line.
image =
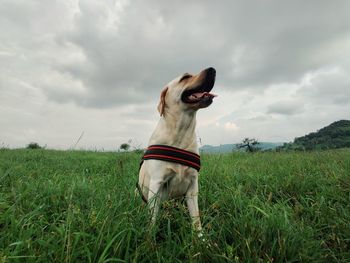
point(161, 104)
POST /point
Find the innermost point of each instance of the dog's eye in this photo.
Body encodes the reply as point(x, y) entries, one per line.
point(186, 76)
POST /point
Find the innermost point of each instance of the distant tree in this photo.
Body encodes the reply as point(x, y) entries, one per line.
point(33, 145)
point(250, 145)
point(138, 151)
point(124, 146)
point(3, 146)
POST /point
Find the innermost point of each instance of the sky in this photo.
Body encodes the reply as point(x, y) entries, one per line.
point(95, 69)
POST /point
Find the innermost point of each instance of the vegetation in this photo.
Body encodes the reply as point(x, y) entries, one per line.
point(336, 135)
point(33, 145)
point(124, 146)
point(250, 145)
point(75, 206)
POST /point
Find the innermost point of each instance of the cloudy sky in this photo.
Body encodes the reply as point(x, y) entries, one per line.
point(97, 68)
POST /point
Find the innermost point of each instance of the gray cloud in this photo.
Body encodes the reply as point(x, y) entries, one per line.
point(328, 86)
point(286, 107)
point(130, 53)
point(112, 58)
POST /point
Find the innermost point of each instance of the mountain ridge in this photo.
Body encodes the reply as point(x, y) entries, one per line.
point(232, 147)
point(335, 135)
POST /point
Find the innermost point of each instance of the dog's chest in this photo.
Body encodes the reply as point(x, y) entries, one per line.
point(180, 182)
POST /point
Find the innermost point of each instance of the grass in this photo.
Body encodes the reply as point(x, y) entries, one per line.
point(75, 206)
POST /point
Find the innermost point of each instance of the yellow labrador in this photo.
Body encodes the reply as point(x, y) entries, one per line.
point(158, 179)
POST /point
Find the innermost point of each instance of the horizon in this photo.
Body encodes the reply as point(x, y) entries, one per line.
point(135, 147)
point(95, 69)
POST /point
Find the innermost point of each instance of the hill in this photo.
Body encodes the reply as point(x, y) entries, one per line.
point(335, 135)
point(225, 148)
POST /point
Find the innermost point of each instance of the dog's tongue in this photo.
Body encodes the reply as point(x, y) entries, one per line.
point(199, 95)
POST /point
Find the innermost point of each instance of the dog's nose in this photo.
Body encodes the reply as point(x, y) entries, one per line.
point(211, 71)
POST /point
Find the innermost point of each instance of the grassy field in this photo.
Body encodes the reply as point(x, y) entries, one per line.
point(75, 206)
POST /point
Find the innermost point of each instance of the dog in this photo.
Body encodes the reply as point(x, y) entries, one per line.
point(160, 180)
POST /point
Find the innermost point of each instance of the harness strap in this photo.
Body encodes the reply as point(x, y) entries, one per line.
point(172, 154)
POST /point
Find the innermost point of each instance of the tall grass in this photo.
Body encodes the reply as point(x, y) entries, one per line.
point(78, 206)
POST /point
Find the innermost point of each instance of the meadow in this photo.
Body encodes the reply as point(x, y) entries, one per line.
point(80, 206)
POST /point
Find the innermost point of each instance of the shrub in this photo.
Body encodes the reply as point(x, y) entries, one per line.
point(33, 145)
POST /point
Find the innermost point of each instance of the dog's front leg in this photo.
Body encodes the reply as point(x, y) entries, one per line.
point(154, 199)
point(192, 204)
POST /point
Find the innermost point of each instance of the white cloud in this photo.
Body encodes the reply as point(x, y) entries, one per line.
point(230, 126)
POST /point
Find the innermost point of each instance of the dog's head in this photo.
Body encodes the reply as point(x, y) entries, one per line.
point(188, 92)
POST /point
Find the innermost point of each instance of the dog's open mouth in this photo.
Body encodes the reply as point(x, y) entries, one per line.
point(196, 95)
point(201, 93)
